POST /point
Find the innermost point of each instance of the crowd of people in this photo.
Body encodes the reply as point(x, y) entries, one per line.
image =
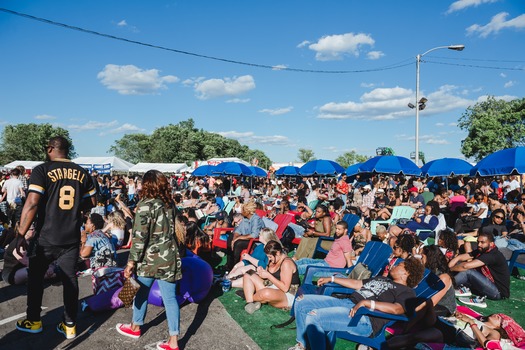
point(58, 221)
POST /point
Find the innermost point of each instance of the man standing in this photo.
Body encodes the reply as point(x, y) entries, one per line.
point(58, 191)
point(13, 192)
point(483, 270)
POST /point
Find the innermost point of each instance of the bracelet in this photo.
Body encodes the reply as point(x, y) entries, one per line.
point(372, 305)
point(333, 278)
point(472, 325)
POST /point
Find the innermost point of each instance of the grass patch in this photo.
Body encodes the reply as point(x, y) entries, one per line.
point(257, 325)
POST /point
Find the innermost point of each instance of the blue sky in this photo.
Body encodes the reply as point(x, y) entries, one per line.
point(99, 88)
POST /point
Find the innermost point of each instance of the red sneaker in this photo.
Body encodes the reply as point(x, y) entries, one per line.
point(165, 346)
point(125, 329)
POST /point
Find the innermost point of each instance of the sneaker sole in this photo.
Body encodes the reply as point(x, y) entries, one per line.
point(464, 295)
point(32, 331)
point(64, 333)
point(126, 334)
point(468, 302)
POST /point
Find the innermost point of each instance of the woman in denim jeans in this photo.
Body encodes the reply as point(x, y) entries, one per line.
point(154, 256)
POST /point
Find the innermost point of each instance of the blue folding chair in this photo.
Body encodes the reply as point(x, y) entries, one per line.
point(428, 287)
point(350, 219)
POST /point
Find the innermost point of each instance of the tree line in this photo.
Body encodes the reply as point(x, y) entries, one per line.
point(491, 125)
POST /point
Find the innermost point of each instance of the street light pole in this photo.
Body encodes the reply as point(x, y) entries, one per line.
point(418, 61)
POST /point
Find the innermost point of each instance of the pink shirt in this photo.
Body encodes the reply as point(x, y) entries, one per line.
point(335, 257)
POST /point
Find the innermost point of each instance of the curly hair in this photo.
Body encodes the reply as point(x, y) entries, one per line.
point(449, 239)
point(415, 269)
point(406, 242)
point(436, 260)
point(156, 185)
point(117, 219)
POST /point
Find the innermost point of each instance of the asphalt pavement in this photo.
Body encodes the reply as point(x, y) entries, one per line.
point(203, 326)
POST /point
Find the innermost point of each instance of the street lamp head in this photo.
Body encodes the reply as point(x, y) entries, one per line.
point(456, 47)
point(410, 105)
point(423, 100)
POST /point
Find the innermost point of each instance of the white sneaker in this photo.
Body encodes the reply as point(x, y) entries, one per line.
point(474, 301)
point(463, 292)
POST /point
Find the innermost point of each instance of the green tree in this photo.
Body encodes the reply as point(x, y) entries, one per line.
point(27, 141)
point(181, 143)
point(350, 158)
point(132, 147)
point(492, 125)
point(305, 155)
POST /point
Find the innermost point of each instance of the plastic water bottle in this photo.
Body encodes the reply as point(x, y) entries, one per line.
point(226, 283)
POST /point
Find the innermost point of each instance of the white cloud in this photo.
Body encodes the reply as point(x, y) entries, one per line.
point(238, 100)
point(509, 84)
point(374, 55)
point(277, 111)
point(45, 117)
point(429, 139)
point(303, 44)
point(391, 103)
point(93, 125)
point(249, 137)
point(124, 128)
point(440, 124)
point(279, 67)
point(334, 47)
point(463, 4)
point(497, 23)
point(212, 88)
point(131, 80)
point(502, 97)
point(122, 23)
point(368, 85)
point(453, 124)
point(503, 75)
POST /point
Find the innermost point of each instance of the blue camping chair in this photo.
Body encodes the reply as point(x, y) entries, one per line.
point(375, 256)
point(350, 219)
point(429, 286)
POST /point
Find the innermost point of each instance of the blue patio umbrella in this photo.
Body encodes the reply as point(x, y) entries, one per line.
point(203, 170)
point(353, 169)
point(446, 167)
point(232, 168)
point(258, 172)
point(288, 170)
point(321, 167)
point(390, 165)
point(508, 161)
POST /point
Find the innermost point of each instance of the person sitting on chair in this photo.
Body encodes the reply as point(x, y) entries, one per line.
point(315, 315)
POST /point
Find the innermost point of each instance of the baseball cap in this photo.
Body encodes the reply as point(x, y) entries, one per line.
point(413, 189)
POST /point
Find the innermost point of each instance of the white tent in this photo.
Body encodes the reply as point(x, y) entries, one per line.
point(162, 167)
point(215, 161)
point(28, 164)
point(115, 163)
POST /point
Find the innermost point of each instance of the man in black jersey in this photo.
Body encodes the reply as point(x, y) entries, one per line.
point(58, 191)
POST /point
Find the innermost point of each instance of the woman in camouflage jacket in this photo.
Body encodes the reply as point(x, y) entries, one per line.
point(154, 255)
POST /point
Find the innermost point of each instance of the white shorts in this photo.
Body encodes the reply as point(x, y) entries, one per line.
point(290, 297)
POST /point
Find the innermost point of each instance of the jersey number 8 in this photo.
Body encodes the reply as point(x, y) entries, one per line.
point(67, 198)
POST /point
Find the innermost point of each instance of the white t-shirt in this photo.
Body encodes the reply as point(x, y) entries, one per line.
point(12, 188)
point(117, 233)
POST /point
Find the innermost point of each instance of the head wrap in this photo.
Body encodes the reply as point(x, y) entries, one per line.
point(513, 330)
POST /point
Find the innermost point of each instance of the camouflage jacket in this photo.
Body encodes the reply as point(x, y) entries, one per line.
point(154, 246)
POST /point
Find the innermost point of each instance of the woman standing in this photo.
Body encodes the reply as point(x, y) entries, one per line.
point(154, 256)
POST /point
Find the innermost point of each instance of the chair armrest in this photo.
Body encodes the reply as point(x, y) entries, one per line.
point(312, 270)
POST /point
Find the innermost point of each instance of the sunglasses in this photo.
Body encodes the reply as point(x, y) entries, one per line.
point(499, 217)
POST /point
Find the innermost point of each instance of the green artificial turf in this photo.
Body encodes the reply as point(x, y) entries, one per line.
point(257, 325)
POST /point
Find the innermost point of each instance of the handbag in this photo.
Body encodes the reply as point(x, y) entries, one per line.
point(128, 291)
point(107, 278)
point(360, 272)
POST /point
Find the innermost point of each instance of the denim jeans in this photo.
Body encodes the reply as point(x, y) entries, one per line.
point(315, 315)
point(168, 293)
point(479, 284)
point(303, 263)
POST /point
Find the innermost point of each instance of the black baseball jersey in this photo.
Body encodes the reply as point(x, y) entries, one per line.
point(63, 186)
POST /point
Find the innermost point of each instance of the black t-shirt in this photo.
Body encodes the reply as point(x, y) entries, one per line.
point(382, 289)
point(498, 268)
point(63, 185)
